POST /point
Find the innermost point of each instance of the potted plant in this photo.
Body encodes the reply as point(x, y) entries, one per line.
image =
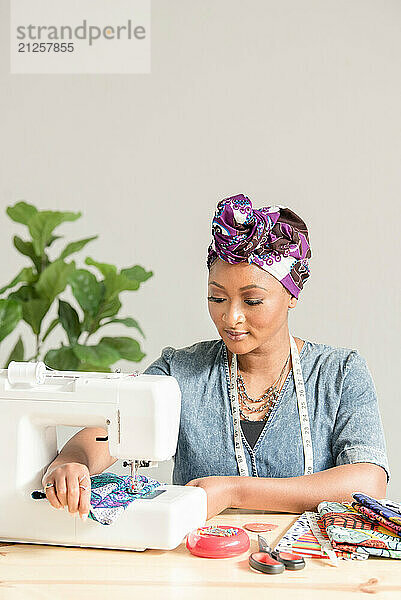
point(32, 294)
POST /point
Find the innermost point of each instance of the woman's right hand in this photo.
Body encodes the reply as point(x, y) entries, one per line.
point(71, 487)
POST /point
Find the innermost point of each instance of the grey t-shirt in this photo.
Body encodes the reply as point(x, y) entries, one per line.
point(342, 405)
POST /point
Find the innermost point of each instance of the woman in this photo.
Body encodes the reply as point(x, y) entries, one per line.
point(267, 421)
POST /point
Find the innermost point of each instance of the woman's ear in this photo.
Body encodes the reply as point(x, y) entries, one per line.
point(292, 302)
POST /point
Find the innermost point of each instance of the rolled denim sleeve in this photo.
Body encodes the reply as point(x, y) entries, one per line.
point(161, 366)
point(358, 431)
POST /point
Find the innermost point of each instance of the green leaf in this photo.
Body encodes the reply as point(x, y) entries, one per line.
point(89, 367)
point(76, 246)
point(101, 355)
point(52, 325)
point(137, 273)
point(125, 346)
point(62, 359)
point(22, 212)
point(53, 279)
point(128, 322)
point(10, 315)
point(114, 282)
point(24, 293)
point(33, 312)
point(69, 319)
point(42, 224)
point(87, 290)
point(52, 239)
point(27, 275)
point(106, 309)
point(123, 283)
point(109, 309)
point(106, 269)
point(117, 283)
point(26, 248)
point(17, 353)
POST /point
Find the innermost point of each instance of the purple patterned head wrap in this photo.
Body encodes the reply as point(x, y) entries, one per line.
point(273, 237)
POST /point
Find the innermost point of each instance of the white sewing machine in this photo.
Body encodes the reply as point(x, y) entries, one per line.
point(141, 415)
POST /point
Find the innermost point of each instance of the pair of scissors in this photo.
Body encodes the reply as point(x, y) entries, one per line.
point(270, 561)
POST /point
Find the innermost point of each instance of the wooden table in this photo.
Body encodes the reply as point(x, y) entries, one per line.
point(47, 572)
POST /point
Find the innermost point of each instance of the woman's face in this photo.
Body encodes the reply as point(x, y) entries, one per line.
point(247, 305)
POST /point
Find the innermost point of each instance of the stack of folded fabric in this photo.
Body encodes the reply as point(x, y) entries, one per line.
point(367, 526)
point(300, 539)
point(384, 513)
point(349, 531)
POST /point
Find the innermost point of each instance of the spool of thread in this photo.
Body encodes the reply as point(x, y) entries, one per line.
point(27, 373)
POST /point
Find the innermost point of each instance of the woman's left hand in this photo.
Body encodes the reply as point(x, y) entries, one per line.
point(219, 490)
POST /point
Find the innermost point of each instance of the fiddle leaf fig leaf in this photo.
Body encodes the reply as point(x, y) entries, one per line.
point(52, 239)
point(87, 290)
point(114, 282)
point(123, 283)
point(69, 319)
point(101, 355)
point(106, 269)
point(24, 293)
point(110, 276)
point(76, 246)
point(33, 312)
point(10, 315)
point(137, 273)
point(26, 248)
point(62, 359)
point(54, 278)
point(26, 275)
point(17, 353)
point(22, 212)
point(42, 224)
point(128, 322)
point(107, 309)
point(125, 346)
point(88, 367)
point(52, 325)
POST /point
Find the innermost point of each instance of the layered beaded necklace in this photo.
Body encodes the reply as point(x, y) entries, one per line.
point(266, 401)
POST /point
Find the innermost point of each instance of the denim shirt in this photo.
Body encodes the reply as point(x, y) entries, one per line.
point(342, 405)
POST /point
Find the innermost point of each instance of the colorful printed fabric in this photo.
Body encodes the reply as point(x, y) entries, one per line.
point(273, 237)
point(301, 540)
point(111, 494)
point(349, 530)
point(377, 518)
point(377, 512)
point(395, 506)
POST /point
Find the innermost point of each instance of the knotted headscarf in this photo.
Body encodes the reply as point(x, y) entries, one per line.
point(273, 237)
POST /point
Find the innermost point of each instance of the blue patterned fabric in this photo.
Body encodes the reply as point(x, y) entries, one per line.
point(111, 494)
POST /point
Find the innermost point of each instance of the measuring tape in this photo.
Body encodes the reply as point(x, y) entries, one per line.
point(239, 449)
point(302, 409)
point(325, 544)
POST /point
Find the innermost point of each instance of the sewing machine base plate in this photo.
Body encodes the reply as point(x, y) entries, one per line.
point(159, 523)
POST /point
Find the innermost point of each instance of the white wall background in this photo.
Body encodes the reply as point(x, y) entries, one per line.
point(295, 102)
